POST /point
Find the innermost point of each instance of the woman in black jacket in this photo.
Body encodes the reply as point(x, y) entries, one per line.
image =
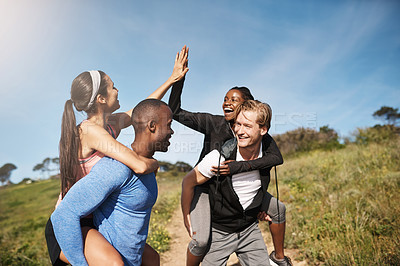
point(217, 129)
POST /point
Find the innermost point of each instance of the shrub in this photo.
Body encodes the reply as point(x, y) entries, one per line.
point(377, 133)
point(306, 139)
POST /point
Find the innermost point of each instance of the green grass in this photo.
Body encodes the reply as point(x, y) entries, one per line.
point(343, 206)
point(169, 184)
point(25, 209)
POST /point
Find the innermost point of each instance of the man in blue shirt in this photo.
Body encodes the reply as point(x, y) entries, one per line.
point(120, 200)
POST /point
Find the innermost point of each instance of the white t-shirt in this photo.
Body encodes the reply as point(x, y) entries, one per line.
point(246, 185)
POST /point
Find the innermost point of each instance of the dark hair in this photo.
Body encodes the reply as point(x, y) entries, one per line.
point(145, 111)
point(246, 94)
point(81, 92)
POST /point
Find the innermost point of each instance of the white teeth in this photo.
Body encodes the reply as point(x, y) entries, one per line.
point(228, 109)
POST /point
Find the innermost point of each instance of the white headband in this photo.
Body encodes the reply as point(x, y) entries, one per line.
point(96, 79)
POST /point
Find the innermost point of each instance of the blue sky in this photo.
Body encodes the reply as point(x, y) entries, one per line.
point(315, 62)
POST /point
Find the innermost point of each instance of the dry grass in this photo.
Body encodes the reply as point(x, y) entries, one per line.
point(342, 209)
point(343, 206)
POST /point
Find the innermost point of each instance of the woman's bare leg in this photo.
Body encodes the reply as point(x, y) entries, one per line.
point(97, 250)
point(192, 260)
point(63, 258)
point(150, 256)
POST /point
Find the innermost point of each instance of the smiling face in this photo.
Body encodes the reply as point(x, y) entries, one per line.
point(164, 130)
point(248, 132)
point(232, 99)
point(112, 101)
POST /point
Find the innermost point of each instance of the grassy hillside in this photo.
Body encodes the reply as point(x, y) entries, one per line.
point(343, 206)
point(25, 208)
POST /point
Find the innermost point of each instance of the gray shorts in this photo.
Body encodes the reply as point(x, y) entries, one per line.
point(200, 217)
point(248, 245)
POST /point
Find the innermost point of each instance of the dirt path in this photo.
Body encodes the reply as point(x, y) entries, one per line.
point(176, 256)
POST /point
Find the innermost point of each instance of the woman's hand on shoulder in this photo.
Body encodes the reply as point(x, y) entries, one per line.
point(89, 131)
point(97, 138)
point(151, 165)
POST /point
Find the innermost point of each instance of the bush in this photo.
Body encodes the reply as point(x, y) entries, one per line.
point(306, 139)
point(377, 133)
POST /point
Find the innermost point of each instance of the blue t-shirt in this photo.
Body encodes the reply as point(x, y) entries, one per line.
point(121, 203)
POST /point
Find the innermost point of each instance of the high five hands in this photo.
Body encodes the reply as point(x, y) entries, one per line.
point(181, 65)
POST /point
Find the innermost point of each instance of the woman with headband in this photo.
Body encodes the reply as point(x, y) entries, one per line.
point(82, 146)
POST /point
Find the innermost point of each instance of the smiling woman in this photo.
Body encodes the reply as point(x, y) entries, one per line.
point(83, 145)
point(233, 98)
point(297, 57)
point(217, 130)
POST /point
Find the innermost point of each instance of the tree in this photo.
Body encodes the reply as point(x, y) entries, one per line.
point(183, 167)
point(5, 172)
point(387, 113)
point(40, 167)
point(377, 134)
point(179, 166)
point(48, 165)
point(165, 166)
point(307, 139)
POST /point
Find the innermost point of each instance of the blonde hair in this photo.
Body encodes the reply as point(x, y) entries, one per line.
point(263, 110)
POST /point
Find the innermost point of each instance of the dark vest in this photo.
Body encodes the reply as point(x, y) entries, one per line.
point(227, 213)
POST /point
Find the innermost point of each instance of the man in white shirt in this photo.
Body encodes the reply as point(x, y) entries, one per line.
point(235, 200)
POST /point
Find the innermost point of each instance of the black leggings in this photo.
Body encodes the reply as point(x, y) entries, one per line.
point(52, 244)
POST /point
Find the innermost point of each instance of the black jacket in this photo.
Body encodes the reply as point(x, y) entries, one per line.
point(227, 212)
point(217, 130)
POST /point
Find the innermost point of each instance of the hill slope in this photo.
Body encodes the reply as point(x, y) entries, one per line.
point(342, 209)
point(343, 206)
point(24, 210)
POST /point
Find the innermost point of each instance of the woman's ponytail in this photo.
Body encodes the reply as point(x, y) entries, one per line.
point(69, 148)
point(81, 94)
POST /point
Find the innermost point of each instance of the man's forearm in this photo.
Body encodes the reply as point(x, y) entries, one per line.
point(271, 157)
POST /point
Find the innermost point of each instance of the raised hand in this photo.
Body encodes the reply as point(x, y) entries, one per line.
point(179, 71)
point(181, 65)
